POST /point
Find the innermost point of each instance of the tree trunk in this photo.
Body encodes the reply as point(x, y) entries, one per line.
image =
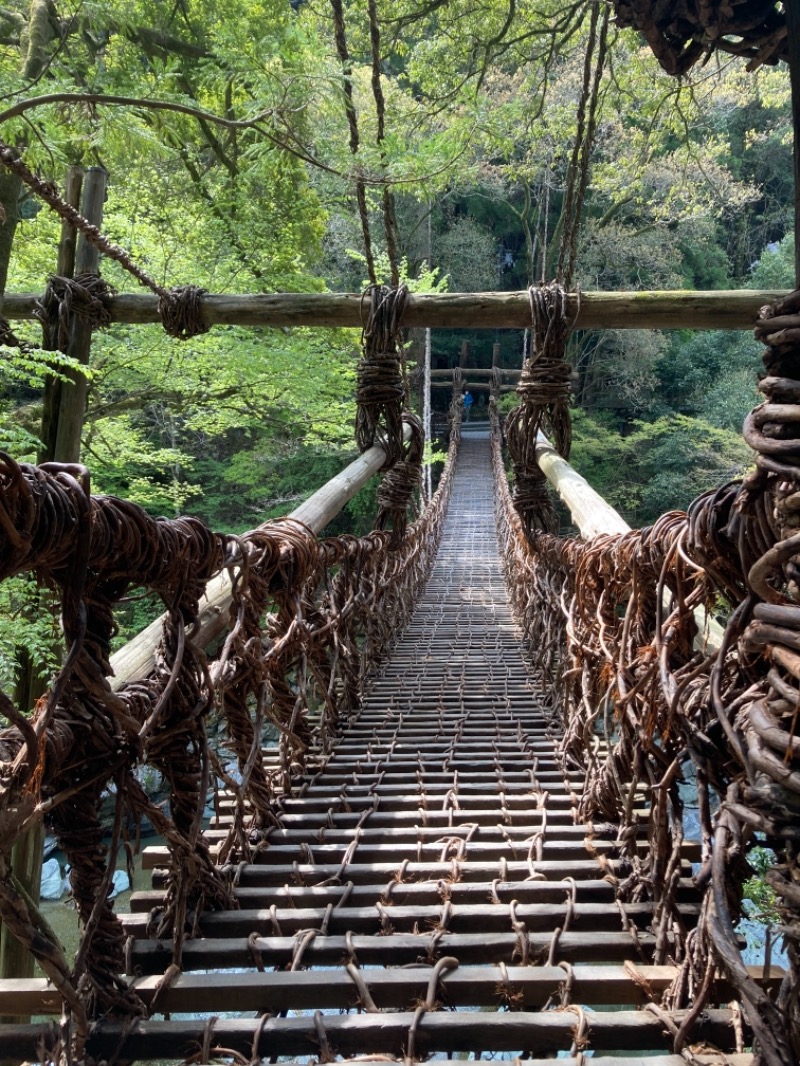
point(39, 34)
point(9, 206)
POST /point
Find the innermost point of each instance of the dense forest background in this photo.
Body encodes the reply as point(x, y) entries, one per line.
point(276, 119)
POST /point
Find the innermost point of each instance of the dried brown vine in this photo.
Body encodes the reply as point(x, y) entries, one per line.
point(309, 621)
point(616, 624)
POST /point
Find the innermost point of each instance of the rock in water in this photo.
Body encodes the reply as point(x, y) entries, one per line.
point(119, 883)
point(52, 883)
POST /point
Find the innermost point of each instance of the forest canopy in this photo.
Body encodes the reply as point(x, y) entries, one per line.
point(310, 146)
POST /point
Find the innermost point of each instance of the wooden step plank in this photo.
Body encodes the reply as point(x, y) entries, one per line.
point(418, 893)
point(397, 949)
point(431, 836)
point(436, 823)
point(276, 991)
point(538, 917)
point(540, 1032)
point(363, 873)
point(328, 856)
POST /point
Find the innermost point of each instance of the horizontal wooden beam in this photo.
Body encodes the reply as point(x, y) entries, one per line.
point(734, 309)
point(390, 988)
point(540, 1032)
point(475, 372)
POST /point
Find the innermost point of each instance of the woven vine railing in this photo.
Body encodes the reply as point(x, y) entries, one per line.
point(643, 707)
point(309, 620)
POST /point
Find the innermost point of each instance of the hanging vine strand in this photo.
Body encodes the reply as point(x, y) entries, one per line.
point(612, 624)
point(544, 390)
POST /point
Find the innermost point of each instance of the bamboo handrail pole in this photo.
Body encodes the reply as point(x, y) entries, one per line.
point(135, 660)
point(594, 516)
point(737, 309)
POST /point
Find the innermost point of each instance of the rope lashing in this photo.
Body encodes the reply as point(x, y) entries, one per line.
point(398, 485)
point(544, 391)
point(180, 312)
point(178, 307)
point(379, 381)
point(64, 299)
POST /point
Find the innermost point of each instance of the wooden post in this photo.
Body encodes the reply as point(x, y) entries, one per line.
point(495, 354)
point(65, 268)
point(462, 362)
point(793, 32)
point(16, 962)
point(72, 408)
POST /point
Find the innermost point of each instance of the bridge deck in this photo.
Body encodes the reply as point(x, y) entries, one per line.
point(428, 891)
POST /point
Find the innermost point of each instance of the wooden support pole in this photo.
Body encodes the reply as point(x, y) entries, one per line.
point(65, 268)
point(135, 660)
point(496, 355)
point(455, 310)
point(72, 408)
point(16, 962)
point(792, 10)
point(594, 516)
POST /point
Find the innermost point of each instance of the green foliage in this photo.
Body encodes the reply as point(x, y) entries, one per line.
point(711, 374)
point(678, 457)
point(29, 630)
point(758, 891)
point(775, 268)
point(660, 466)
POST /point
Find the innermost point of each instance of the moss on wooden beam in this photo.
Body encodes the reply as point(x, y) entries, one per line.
point(474, 310)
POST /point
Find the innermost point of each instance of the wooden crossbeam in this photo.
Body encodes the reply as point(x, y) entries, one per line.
point(732, 309)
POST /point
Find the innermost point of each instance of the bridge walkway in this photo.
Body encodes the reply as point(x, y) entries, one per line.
point(428, 891)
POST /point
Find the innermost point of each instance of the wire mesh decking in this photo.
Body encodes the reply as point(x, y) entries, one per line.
point(428, 890)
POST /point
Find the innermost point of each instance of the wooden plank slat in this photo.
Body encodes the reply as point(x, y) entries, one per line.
point(391, 989)
point(399, 949)
point(541, 1032)
point(418, 893)
point(489, 917)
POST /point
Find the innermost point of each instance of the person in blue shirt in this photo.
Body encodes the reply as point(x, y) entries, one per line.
point(467, 405)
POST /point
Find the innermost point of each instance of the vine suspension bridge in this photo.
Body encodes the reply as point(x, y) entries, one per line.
point(469, 836)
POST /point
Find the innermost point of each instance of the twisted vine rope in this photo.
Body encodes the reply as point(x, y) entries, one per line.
point(380, 414)
point(178, 307)
point(681, 35)
point(544, 390)
point(332, 608)
point(612, 626)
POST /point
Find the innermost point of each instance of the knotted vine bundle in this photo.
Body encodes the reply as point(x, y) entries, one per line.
point(380, 417)
point(379, 378)
point(64, 299)
point(544, 390)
